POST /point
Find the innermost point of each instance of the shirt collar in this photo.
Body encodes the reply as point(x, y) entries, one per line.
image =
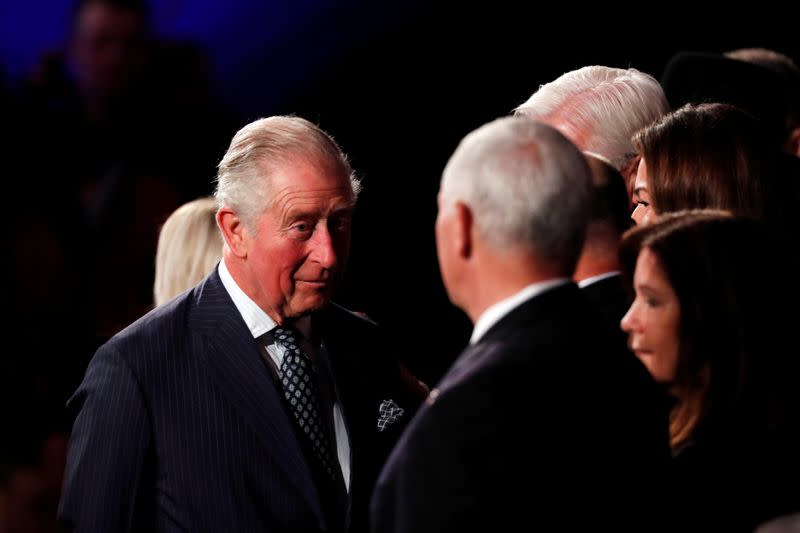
point(257, 320)
point(494, 313)
point(600, 277)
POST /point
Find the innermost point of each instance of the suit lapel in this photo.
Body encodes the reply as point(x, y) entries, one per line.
point(356, 405)
point(234, 362)
point(462, 365)
point(344, 357)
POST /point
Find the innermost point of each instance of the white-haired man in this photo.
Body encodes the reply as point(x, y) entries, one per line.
point(250, 403)
point(599, 109)
point(543, 408)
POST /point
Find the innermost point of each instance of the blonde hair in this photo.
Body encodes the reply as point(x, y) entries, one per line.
point(189, 246)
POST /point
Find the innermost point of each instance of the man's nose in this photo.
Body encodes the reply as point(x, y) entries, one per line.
point(324, 251)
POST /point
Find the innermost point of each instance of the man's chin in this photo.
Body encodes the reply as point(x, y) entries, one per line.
point(312, 303)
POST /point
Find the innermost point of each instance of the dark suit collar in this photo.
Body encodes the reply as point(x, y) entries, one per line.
point(499, 309)
point(233, 359)
point(327, 328)
point(334, 325)
point(531, 311)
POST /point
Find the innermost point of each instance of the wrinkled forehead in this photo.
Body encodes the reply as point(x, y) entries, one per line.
point(321, 162)
point(313, 178)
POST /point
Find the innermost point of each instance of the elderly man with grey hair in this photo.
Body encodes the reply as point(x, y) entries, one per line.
point(543, 408)
point(599, 109)
point(251, 402)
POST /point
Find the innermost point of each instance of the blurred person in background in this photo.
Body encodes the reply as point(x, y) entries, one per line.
point(189, 246)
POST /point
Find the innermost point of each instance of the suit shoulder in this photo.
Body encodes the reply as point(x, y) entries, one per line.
point(141, 338)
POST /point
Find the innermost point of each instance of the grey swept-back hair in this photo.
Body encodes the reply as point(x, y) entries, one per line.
point(528, 186)
point(261, 147)
point(599, 108)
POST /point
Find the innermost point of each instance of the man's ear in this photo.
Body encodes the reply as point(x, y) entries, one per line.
point(233, 231)
point(465, 225)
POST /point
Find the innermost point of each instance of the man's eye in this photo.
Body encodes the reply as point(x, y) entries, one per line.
point(643, 203)
point(302, 226)
point(340, 223)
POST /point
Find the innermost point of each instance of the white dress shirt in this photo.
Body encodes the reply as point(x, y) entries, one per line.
point(259, 323)
point(600, 277)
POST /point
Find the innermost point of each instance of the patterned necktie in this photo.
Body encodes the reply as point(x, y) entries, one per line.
point(301, 390)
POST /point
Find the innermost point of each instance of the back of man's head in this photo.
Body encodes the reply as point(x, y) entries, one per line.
point(786, 69)
point(610, 218)
point(746, 80)
point(610, 202)
point(599, 108)
point(527, 186)
point(767, 58)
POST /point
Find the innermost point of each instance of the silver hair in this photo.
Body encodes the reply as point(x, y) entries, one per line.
point(261, 147)
point(528, 186)
point(599, 108)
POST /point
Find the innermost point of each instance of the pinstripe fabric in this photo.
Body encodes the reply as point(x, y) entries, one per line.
point(179, 426)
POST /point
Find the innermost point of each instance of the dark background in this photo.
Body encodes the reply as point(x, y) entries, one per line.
point(398, 84)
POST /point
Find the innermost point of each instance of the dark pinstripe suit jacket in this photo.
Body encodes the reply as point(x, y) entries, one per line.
point(180, 428)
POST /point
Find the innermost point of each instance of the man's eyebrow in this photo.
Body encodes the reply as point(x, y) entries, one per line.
point(345, 209)
point(300, 212)
point(318, 213)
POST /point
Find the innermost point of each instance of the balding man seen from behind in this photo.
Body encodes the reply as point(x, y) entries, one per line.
point(543, 420)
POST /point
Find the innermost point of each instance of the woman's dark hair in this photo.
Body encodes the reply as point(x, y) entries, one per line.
point(708, 156)
point(731, 346)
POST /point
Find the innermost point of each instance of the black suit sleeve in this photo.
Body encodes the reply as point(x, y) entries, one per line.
point(107, 448)
point(430, 481)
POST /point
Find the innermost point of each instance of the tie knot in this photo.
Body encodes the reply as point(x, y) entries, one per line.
point(287, 336)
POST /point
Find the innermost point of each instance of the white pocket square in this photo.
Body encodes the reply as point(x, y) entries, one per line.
point(388, 413)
